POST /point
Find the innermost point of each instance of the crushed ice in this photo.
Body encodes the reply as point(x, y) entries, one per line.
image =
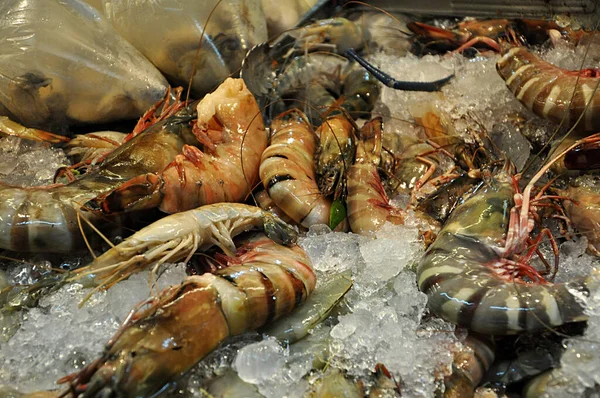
point(29, 163)
point(57, 338)
point(381, 324)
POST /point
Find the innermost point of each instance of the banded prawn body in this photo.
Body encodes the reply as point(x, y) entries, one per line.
point(287, 170)
point(470, 281)
point(327, 82)
point(368, 204)
point(184, 323)
point(551, 92)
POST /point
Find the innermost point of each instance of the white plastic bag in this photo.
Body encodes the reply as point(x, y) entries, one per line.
point(168, 33)
point(62, 63)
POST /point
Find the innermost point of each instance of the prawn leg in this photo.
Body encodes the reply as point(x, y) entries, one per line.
point(15, 129)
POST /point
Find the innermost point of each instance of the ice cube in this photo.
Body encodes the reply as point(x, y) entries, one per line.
point(256, 363)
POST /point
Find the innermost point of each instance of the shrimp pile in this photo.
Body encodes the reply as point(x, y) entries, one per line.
point(47, 219)
point(303, 140)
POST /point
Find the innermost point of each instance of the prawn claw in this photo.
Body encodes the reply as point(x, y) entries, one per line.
point(141, 192)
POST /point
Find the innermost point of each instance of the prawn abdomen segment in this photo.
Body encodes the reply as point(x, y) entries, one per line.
point(44, 219)
point(493, 306)
point(368, 205)
point(30, 217)
point(551, 92)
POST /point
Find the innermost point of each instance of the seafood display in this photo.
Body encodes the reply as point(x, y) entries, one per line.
point(48, 218)
point(184, 323)
point(366, 204)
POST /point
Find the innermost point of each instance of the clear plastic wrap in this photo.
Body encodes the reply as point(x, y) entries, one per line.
point(62, 63)
point(168, 33)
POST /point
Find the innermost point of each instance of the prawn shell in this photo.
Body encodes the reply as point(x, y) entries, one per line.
point(196, 177)
point(287, 170)
point(186, 322)
point(551, 92)
point(583, 209)
point(459, 274)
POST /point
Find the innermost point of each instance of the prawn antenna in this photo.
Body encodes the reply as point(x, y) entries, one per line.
point(195, 65)
point(93, 227)
point(389, 81)
point(84, 236)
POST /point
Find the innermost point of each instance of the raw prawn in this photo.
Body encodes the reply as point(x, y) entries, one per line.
point(583, 209)
point(178, 236)
point(12, 128)
point(45, 219)
point(93, 147)
point(369, 29)
point(551, 92)
point(334, 155)
point(471, 33)
point(470, 364)
point(431, 39)
point(261, 282)
point(291, 65)
point(472, 272)
point(287, 170)
point(346, 37)
point(231, 129)
point(410, 163)
point(326, 83)
point(368, 205)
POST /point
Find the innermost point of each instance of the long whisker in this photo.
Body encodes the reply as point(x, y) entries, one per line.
point(93, 227)
point(195, 64)
point(87, 244)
